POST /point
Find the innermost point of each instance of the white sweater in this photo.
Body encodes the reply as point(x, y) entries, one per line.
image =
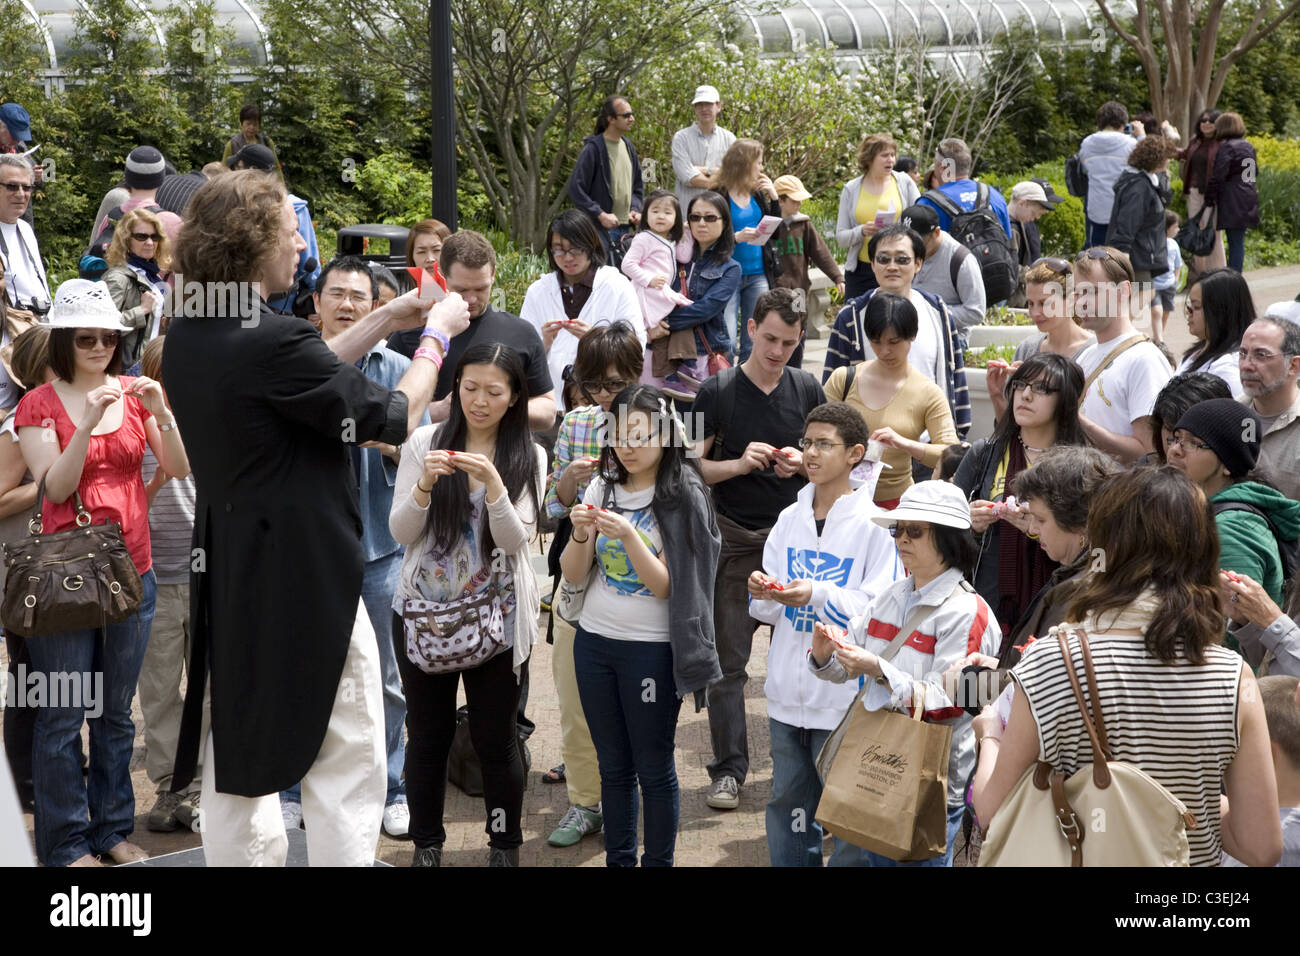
point(612, 298)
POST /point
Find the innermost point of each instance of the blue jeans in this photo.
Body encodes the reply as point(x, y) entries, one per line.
point(740, 309)
point(1236, 240)
point(76, 817)
point(794, 837)
point(1096, 234)
point(954, 823)
point(631, 704)
point(377, 588)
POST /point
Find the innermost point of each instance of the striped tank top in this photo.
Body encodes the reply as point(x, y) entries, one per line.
point(1177, 722)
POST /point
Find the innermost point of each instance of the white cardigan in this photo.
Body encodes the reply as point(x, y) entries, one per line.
point(848, 232)
point(612, 298)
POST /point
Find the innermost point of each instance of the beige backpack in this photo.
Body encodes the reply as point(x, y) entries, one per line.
point(1107, 813)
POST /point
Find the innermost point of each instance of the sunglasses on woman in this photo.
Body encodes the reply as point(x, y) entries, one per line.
point(87, 341)
point(146, 236)
point(700, 217)
point(913, 532)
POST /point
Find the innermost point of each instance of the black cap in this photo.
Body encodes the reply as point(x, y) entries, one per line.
point(253, 156)
point(920, 219)
point(1231, 430)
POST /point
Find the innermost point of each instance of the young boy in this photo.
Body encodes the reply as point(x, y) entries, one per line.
point(824, 560)
point(1167, 282)
point(796, 241)
point(1281, 697)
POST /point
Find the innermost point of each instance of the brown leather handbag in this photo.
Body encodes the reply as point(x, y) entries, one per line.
point(73, 580)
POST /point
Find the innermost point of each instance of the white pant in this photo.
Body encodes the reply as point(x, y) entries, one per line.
point(342, 794)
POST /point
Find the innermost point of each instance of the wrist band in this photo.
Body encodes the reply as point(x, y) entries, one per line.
point(574, 537)
point(425, 352)
point(438, 336)
point(423, 490)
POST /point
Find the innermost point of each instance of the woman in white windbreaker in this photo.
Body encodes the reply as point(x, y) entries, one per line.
point(824, 560)
point(945, 619)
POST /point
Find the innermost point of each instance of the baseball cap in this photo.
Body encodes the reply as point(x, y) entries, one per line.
point(791, 186)
point(253, 156)
point(17, 121)
point(1029, 191)
point(1287, 310)
point(1052, 196)
point(920, 219)
point(938, 502)
point(706, 94)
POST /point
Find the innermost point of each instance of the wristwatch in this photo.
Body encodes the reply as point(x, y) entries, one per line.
point(168, 427)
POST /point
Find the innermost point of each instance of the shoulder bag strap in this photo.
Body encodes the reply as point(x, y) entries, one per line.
point(1137, 339)
point(944, 203)
point(981, 195)
point(1100, 772)
point(726, 408)
point(35, 524)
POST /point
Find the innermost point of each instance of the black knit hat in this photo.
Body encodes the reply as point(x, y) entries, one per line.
point(1230, 429)
point(145, 168)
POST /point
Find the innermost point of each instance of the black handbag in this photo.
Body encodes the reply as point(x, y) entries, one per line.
point(1195, 238)
point(72, 580)
point(463, 767)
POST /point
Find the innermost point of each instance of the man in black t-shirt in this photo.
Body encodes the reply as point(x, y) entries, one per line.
point(754, 415)
point(469, 264)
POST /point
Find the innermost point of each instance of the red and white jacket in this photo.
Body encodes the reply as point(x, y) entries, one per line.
point(956, 622)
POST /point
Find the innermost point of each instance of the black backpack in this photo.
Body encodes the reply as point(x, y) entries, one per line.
point(1289, 550)
point(980, 231)
point(99, 247)
point(1076, 177)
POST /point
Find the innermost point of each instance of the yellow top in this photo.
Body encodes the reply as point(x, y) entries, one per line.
point(889, 203)
point(917, 407)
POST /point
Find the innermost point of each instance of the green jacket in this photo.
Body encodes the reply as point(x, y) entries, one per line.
point(1247, 544)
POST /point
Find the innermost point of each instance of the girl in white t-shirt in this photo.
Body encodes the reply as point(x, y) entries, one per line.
point(1219, 308)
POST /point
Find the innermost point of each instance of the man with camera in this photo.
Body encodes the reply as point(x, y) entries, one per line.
point(26, 291)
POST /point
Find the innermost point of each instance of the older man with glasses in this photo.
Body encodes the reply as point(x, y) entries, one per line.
point(26, 290)
point(1269, 361)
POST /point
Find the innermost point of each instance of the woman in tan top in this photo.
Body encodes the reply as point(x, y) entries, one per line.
point(897, 401)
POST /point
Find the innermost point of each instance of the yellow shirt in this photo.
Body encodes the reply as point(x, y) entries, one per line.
point(919, 406)
point(889, 202)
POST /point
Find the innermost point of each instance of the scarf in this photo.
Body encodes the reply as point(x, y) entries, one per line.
point(1023, 567)
point(148, 266)
point(1134, 617)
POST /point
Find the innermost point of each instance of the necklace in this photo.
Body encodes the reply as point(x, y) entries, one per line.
point(1030, 448)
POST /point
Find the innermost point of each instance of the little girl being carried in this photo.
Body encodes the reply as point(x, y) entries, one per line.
point(650, 262)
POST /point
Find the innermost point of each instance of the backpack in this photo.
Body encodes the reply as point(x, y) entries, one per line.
point(1076, 177)
point(99, 248)
point(980, 231)
point(727, 402)
point(1289, 550)
point(1049, 820)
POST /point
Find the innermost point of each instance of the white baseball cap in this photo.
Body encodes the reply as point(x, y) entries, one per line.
point(1288, 310)
point(83, 304)
point(937, 502)
point(706, 94)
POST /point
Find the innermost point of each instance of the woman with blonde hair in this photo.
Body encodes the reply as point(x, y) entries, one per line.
point(750, 196)
point(868, 204)
point(137, 258)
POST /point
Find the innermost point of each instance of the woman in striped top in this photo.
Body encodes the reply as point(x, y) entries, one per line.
point(1176, 704)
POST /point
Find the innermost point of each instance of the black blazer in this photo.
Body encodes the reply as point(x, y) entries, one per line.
point(267, 412)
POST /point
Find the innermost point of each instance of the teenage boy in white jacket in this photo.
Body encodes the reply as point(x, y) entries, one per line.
point(825, 560)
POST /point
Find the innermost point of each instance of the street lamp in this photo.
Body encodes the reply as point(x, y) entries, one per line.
point(443, 130)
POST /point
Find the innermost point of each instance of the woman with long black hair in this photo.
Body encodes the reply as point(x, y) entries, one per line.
point(1043, 397)
point(1219, 308)
point(465, 504)
point(1198, 164)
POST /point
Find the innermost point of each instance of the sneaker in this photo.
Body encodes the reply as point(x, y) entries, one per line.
point(576, 823)
point(724, 794)
point(427, 856)
point(677, 388)
point(162, 818)
point(292, 814)
point(187, 811)
point(397, 821)
point(499, 857)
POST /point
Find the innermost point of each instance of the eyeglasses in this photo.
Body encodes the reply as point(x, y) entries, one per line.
point(1037, 388)
point(19, 187)
point(342, 295)
point(87, 341)
point(821, 444)
point(570, 253)
point(700, 217)
point(1060, 266)
point(1258, 356)
point(1185, 443)
point(625, 442)
point(913, 532)
point(146, 237)
point(883, 260)
point(613, 387)
point(627, 115)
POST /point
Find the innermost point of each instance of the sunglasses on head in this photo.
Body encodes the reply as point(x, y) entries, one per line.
point(1057, 265)
point(146, 236)
point(913, 532)
point(87, 340)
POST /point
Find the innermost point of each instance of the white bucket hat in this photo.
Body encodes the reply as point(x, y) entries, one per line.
point(83, 304)
point(937, 502)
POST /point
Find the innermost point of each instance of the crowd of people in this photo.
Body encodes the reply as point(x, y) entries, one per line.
point(331, 484)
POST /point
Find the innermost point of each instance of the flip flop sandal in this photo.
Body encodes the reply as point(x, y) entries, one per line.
point(554, 775)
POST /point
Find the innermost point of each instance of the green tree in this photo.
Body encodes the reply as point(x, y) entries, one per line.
point(201, 57)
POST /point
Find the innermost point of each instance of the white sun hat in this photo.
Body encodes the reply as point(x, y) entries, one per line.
point(937, 502)
point(83, 304)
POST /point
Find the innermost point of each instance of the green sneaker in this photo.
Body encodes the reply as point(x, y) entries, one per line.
point(576, 823)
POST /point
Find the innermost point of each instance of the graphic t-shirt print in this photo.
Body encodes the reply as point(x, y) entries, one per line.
point(614, 562)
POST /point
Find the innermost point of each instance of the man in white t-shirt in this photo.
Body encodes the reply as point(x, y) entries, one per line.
point(1117, 404)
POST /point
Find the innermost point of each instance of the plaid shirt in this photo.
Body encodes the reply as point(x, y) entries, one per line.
point(580, 436)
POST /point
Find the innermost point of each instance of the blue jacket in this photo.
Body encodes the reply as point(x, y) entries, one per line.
point(307, 230)
point(710, 285)
point(963, 193)
point(589, 185)
point(377, 472)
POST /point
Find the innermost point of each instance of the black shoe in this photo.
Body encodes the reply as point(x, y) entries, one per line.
point(427, 856)
point(499, 857)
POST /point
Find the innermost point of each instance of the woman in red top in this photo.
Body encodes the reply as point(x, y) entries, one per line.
point(86, 432)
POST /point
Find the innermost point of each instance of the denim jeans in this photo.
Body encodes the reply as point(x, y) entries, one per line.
point(631, 705)
point(1236, 248)
point(740, 309)
point(377, 587)
point(1096, 234)
point(794, 837)
point(954, 824)
point(76, 817)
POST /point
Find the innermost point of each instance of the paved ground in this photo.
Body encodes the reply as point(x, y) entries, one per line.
point(707, 837)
